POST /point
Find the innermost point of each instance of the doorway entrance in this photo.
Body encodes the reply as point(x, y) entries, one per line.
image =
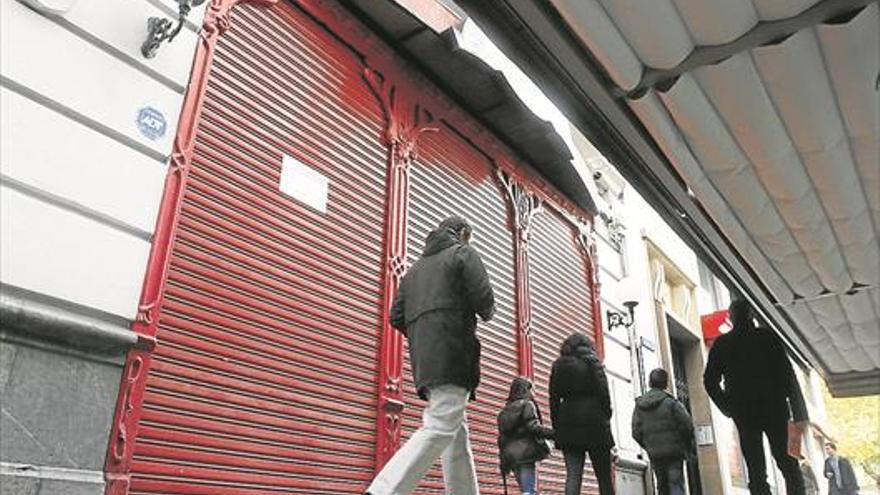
point(680, 345)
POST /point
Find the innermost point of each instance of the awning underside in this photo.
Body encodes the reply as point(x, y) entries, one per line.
point(778, 142)
point(482, 91)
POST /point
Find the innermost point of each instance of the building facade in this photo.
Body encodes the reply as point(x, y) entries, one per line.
point(87, 129)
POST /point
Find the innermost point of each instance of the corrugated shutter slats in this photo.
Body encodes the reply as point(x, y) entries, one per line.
point(451, 177)
point(264, 379)
point(561, 304)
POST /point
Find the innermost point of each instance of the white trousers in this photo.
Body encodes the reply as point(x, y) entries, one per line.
point(443, 434)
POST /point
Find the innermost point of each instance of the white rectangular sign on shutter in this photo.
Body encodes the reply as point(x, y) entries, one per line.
point(303, 183)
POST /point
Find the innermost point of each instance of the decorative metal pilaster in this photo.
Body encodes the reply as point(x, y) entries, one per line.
point(524, 205)
point(405, 122)
point(586, 241)
point(129, 404)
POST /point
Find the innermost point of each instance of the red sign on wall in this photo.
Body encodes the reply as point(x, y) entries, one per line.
point(714, 325)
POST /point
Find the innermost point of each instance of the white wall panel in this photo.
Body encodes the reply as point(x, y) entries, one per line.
point(53, 251)
point(609, 257)
point(39, 54)
point(80, 165)
point(122, 24)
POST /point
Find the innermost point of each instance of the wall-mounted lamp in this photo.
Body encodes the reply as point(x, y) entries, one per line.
point(161, 29)
point(617, 319)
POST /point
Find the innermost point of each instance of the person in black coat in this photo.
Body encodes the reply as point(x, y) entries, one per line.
point(436, 307)
point(663, 427)
point(840, 474)
point(580, 408)
point(521, 436)
point(760, 393)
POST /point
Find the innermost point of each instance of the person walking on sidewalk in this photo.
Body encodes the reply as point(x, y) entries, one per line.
point(522, 436)
point(436, 308)
point(840, 474)
point(663, 427)
point(580, 408)
point(760, 393)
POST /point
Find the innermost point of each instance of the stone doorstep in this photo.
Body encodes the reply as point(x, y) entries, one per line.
point(28, 479)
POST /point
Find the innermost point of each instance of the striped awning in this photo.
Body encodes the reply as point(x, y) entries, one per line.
point(769, 113)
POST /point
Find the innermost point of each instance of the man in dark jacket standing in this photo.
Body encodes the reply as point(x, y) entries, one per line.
point(840, 474)
point(760, 393)
point(436, 307)
point(663, 427)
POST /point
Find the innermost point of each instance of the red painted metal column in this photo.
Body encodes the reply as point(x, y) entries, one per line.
point(587, 243)
point(130, 400)
point(524, 205)
point(405, 121)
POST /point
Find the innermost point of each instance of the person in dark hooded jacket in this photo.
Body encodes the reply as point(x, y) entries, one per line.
point(521, 435)
point(761, 393)
point(436, 308)
point(580, 408)
point(663, 427)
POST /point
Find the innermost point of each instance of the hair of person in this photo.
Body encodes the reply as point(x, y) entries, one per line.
point(658, 378)
point(739, 309)
point(832, 445)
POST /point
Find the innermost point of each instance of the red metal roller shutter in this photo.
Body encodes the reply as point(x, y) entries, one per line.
point(561, 300)
point(451, 177)
point(264, 379)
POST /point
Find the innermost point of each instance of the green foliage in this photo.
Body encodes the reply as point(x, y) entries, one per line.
point(855, 424)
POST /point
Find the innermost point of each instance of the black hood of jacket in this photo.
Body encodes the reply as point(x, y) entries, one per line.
point(652, 399)
point(436, 306)
point(445, 235)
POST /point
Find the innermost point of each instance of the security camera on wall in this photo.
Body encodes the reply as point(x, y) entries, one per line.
point(602, 184)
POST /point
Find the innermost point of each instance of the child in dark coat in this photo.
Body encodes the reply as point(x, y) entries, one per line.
point(663, 427)
point(521, 436)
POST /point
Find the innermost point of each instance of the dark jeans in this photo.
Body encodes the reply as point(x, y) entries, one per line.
point(525, 476)
point(670, 476)
point(752, 445)
point(574, 470)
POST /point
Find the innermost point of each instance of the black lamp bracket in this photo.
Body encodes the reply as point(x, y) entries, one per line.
point(619, 318)
point(160, 29)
